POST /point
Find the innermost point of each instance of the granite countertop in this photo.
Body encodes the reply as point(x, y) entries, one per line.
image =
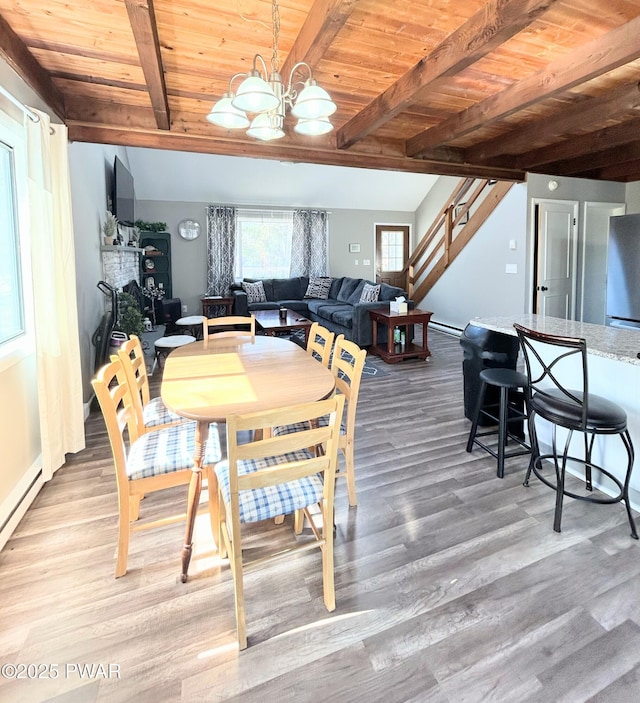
point(608, 342)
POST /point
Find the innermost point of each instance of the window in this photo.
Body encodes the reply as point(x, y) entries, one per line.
point(263, 244)
point(392, 247)
point(12, 323)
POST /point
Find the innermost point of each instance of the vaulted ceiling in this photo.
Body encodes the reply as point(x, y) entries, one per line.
point(470, 87)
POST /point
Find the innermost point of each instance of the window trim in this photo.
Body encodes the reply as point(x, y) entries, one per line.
point(13, 134)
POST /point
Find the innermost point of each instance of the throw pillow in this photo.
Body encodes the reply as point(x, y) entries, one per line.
point(255, 292)
point(369, 293)
point(318, 287)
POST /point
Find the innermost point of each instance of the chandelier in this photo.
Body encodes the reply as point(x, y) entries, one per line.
point(269, 99)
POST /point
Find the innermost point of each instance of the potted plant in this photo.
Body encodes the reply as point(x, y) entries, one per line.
point(129, 320)
point(110, 228)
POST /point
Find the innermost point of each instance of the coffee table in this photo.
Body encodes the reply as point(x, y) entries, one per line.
point(270, 323)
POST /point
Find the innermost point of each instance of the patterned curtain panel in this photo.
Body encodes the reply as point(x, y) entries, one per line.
point(309, 243)
point(221, 246)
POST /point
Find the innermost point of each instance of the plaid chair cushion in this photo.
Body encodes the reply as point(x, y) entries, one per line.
point(169, 450)
point(156, 413)
point(302, 426)
point(269, 502)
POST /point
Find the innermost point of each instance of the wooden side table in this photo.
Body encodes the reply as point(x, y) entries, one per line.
point(209, 301)
point(385, 348)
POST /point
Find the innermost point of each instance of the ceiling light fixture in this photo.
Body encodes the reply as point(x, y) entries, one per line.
point(269, 99)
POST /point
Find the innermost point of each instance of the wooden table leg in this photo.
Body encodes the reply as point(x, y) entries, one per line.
point(424, 339)
point(195, 488)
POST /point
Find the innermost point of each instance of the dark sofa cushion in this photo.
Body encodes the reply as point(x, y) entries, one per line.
point(343, 315)
point(267, 284)
point(289, 288)
point(314, 304)
point(267, 305)
point(297, 305)
point(336, 284)
point(388, 292)
point(328, 312)
point(354, 298)
point(347, 288)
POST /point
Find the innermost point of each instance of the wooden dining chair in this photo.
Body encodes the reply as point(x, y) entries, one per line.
point(151, 413)
point(148, 461)
point(228, 325)
point(320, 343)
point(275, 476)
point(347, 365)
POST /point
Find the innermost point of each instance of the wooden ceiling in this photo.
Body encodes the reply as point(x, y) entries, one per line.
point(466, 87)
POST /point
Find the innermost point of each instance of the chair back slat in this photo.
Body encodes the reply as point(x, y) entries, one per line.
point(320, 344)
point(347, 366)
point(284, 444)
point(236, 325)
point(134, 374)
point(116, 404)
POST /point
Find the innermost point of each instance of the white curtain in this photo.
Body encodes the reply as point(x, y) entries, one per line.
point(54, 295)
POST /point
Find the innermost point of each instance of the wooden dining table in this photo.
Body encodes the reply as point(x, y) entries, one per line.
point(229, 375)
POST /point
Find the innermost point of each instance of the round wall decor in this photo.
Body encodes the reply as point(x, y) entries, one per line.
point(189, 229)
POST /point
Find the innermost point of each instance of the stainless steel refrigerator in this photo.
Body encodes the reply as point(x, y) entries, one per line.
point(623, 272)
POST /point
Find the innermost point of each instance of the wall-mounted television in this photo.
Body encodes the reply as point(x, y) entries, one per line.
point(124, 198)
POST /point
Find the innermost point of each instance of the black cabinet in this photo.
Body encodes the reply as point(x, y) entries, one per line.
point(155, 261)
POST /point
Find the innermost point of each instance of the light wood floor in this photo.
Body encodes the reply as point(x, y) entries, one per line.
point(450, 583)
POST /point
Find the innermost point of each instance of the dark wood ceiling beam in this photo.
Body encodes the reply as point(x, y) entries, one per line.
point(108, 57)
point(145, 32)
point(22, 61)
point(626, 172)
point(560, 157)
point(609, 51)
point(205, 144)
point(325, 19)
point(612, 157)
point(571, 120)
point(492, 25)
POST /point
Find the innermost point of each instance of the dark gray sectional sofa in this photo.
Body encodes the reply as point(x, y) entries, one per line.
point(342, 312)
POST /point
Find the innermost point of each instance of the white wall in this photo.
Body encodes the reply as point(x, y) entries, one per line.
point(476, 283)
point(91, 168)
point(632, 196)
point(433, 202)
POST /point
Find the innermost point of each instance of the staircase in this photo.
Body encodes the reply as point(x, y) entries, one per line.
point(452, 229)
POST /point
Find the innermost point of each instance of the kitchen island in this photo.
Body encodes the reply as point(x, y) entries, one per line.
point(614, 373)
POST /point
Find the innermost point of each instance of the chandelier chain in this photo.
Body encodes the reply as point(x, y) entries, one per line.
point(276, 35)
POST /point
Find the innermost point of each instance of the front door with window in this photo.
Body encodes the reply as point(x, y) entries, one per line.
point(392, 254)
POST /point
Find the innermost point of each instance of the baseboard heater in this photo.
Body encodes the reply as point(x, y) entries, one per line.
point(447, 329)
point(20, 507)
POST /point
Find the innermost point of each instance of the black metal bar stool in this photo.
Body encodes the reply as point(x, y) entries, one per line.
point(549, 359)
point(510, 410)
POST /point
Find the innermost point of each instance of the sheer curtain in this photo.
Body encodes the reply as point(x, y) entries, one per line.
point(221, 246)
point(54, 294)
point(309, 243)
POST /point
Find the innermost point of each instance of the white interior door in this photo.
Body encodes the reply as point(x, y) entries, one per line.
point(556, 227)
